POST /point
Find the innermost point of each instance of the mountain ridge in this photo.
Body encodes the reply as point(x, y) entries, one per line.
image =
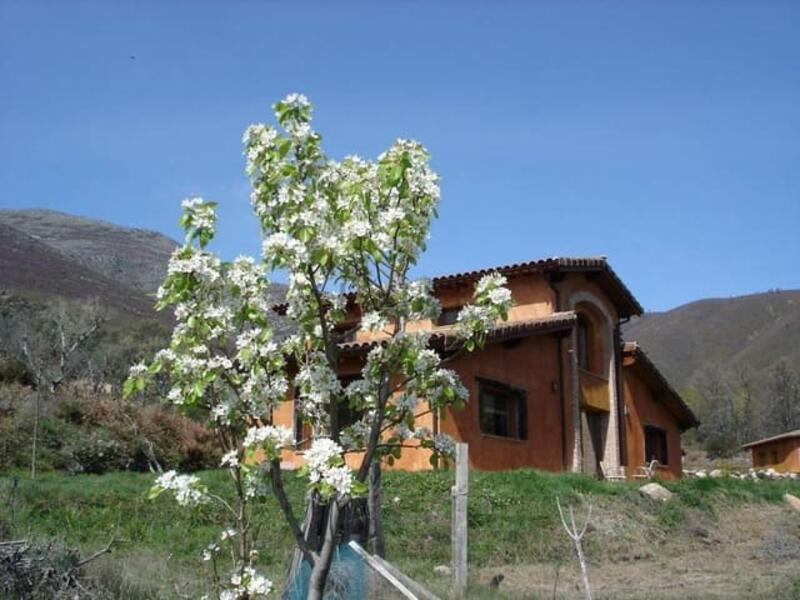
point(134, 257)
point(727, 335)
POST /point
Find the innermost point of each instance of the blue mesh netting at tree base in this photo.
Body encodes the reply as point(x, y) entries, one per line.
point(347, 579)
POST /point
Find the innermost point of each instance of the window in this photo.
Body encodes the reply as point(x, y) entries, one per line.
point(775, 459)
point(762, 458)
point(583, 343)
point(655, 445)
point(502, 410)
point(449, 316)
point(345, 414)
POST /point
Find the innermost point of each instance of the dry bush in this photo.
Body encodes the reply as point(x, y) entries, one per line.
point(94, 432)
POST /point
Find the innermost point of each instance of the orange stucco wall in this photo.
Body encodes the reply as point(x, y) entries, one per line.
point(643, 409)
point(532, 365)
point(781, 455)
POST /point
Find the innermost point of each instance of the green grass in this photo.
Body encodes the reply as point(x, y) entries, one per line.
point(512, 515)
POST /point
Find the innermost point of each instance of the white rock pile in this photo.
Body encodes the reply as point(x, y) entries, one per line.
point(751, 474)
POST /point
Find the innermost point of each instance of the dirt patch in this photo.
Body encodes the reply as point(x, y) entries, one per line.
point(746, 552)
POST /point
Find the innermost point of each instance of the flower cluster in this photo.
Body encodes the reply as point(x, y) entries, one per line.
point(199, 217)
point(204, 267)
point(491, 302)
point(374, 321)
point(187, 488)
point(444, 444)
point(270, 439)
point(326, 469)
point(246, 583)
point(318, 385)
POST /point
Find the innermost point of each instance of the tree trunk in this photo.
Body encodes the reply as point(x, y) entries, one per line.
point(322, 568)
point(376, 544)
point(36, 404)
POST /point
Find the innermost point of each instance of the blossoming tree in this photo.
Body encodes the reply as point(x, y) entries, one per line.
point(347, 234)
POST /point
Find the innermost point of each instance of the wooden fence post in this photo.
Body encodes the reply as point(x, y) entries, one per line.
point(459, 526)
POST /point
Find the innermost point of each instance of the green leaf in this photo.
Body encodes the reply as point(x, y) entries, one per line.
point(155, 492)
point(129, 387)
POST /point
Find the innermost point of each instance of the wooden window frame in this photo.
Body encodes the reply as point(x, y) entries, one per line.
point(517, 402)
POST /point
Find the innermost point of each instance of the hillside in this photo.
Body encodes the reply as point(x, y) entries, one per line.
point(45, 255)
point(31, 268)
point(729, 334)
point(134, 257)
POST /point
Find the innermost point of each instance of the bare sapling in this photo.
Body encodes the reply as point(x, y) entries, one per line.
point(577, 537)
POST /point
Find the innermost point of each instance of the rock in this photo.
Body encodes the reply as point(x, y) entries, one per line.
point(442, 570)
point(717, 473)
point(700, 531)
point(701, 474)
point(497, 580)
point(792, 501)
point(655, 491)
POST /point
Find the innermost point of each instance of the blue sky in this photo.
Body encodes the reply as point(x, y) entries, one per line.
point(664, 135)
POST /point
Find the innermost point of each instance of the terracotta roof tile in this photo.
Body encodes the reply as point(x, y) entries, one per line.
point(557, 264)
point(505, 331)
point(597, 264)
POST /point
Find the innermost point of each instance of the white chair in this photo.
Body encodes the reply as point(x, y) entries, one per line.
point(612, 473)
point(646, 472)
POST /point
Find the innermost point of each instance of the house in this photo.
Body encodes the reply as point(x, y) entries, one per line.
point(554, 387)
point(779, 452)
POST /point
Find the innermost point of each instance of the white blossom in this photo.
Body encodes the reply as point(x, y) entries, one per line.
point(444, 444)
point(374, 321)
point(325, 465)
point(297, 100)
point(187, 488)
point(138, 370)
point(199, 212)
point(202, 265)
point(230, 459)
point(274, 437)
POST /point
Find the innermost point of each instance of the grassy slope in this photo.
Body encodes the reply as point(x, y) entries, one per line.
point(513, 519)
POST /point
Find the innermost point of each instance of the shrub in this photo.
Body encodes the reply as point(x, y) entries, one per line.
point(99, 453)
point(94, 433)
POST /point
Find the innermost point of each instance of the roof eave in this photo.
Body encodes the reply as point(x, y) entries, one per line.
point(685, 417)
